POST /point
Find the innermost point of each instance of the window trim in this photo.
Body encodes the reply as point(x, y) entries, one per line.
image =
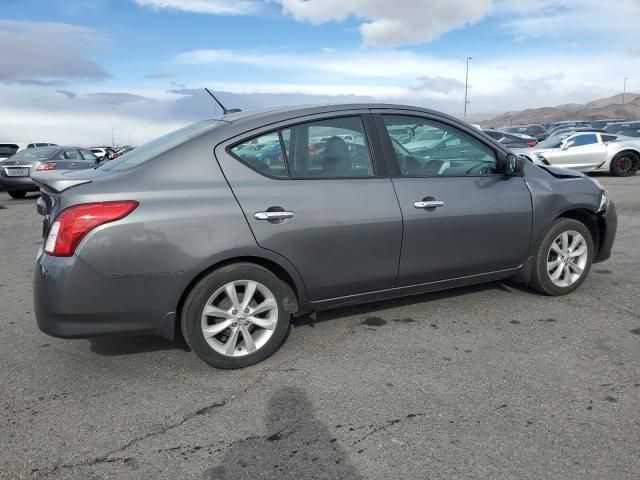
point(268, 129)
point(392, 161)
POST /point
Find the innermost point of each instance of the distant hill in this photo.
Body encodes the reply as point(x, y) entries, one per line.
point(610, 107)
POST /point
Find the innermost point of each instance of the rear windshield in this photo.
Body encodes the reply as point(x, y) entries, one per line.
point(160, 145)
point(35, 153)
point(8, 148)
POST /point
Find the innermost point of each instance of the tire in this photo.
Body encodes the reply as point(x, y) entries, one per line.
point(624, 164)
point(215, 350)
point(18, 194)
point(548, 260)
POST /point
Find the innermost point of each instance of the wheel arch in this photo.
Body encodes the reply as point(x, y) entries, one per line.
point(589, 219)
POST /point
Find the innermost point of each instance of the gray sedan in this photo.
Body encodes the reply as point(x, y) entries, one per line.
point(15, 171)
point(185, 237)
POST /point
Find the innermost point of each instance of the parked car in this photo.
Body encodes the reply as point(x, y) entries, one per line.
point(589, 152)
point(103, 153)
point(629, 132)
point(534, 130)
point(184, 237)
point(616, 127)
point(8, 149)
point(119, 152)
point(604, 122)
point(512, 140)
point(15, 171)
point(41, 144)
point(578, 129)
point(556, 127)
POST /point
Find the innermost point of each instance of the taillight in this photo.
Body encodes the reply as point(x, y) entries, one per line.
point(75, 222)
point(532, 143)
point(46, 166)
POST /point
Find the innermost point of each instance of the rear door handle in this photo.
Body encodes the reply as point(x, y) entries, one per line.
point(272, 215)
point(428, 204)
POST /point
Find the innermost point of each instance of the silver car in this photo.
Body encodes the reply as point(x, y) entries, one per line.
point(588, 152)
point(186, 237)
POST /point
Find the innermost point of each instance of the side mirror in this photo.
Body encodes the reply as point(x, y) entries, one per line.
point(515, 165)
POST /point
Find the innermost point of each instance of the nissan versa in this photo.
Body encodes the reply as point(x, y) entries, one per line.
point(189, 236)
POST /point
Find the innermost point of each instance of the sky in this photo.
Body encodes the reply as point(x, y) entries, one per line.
point(87, 71)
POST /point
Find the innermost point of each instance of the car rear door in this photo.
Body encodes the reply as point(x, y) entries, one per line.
point(462, 216)
point(335, 216)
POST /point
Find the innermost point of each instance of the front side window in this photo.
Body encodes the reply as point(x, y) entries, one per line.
point(581, 140)
point(454, 154)
point(71, 155)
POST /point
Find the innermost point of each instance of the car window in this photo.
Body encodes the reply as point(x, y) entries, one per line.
point(87, 155)
point(608, 138)
point(582, 140)
point(71, 155)
point(8, 148)
point(456, 154)
point(263, 153)
point(160, 145)
point(331, 148)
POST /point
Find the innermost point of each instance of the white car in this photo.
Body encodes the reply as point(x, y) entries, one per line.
point(588, 152)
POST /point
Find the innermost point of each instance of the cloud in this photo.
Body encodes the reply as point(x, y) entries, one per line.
point(40, 51)
point(214, 7)
point(66, 93)
point(437, 84)
point(117, 98)
point(387, 23)
point(159, 74)
point(37, 82)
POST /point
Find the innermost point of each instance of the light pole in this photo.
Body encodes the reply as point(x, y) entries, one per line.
point(466, 89)
point(624, 89)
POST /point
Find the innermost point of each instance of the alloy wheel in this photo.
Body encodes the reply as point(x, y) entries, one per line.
point(567, 258)
point(239, 318)
point(624, 165)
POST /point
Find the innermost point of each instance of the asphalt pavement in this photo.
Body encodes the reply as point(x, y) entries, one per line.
point(485, 382)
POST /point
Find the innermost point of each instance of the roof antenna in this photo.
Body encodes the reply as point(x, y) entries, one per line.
point(224, 110)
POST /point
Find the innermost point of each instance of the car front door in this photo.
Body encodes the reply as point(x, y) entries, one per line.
point(328, 209)
point(462, 216)
point(583, 150)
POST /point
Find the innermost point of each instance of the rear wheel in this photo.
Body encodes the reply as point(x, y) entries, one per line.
point(17, 194)
point(563, 259)
point(625, 164)
point(236, 316)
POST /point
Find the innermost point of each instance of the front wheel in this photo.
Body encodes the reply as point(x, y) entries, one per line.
point(625, 164)
point(236, 316)
point(563, 259)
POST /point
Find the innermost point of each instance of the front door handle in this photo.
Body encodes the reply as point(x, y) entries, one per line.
point(428, 204)
point(272, 215)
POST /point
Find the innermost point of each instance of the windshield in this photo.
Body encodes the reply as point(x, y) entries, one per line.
point(8, 149)
point(552, 142)
point(160, 145)
point(34, 153)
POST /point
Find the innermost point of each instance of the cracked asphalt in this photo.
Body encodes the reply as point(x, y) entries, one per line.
point(491, 381)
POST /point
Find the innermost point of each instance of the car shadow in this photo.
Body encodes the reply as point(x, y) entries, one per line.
point(119, 346)
point(364, 308)
point(296, 445)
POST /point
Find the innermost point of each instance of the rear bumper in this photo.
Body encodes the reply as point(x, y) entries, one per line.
point(72, 300)
point(12, 184)
point(607, 225)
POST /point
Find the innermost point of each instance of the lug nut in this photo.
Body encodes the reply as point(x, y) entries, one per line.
point(246, 310)
point(234, 312)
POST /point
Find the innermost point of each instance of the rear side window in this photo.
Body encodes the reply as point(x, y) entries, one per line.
point(331, 148)
point(608, 138)
point(8, 148)
point(263, 153)
point(87, 155)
